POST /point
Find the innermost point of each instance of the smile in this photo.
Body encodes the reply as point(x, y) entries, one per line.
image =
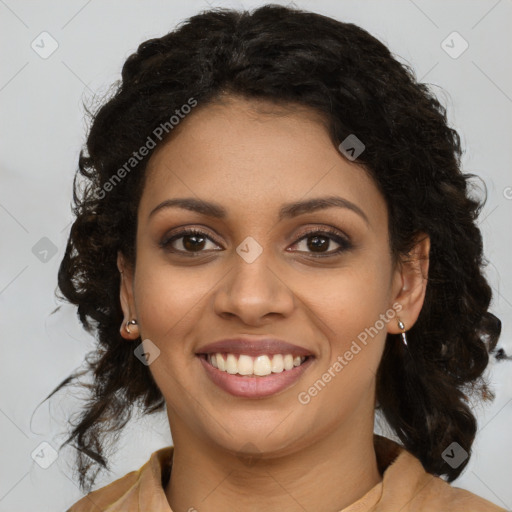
point(260, 365)
point(254, 376)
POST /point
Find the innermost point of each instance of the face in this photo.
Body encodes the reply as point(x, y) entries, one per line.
point(312, 275)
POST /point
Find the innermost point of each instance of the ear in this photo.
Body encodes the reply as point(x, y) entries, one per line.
point(410, 283)
point(126, 298)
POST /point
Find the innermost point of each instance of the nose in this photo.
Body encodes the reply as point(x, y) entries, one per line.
point(254, 290)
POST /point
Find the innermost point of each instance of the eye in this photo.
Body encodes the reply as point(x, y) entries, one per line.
point(318, 241)
point(191, 240)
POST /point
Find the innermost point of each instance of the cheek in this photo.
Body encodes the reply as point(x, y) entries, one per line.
point(348, 301)
point(349, 312)
point(167, 300)
point(349, 315)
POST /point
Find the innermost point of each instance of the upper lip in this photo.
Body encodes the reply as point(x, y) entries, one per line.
point(253, 347)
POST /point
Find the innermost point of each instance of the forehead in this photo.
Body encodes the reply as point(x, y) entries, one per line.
point(247, 154)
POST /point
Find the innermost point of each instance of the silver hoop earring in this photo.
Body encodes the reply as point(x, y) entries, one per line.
point(131, 322)
point(402, 326)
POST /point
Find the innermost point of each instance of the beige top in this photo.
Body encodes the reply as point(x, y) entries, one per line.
point(405, 487)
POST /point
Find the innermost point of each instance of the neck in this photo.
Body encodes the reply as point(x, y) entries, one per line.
point(328, 475)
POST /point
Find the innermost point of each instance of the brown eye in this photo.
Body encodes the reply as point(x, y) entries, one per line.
point(319, 241)
point(191, 241)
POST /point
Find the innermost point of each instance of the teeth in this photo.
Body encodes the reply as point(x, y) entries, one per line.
point(245, 365)
point(231, 364)
point(277, 363)
point(260, 365)
point(221, 365)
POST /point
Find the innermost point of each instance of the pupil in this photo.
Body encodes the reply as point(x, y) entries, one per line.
point(316, 244)
point(193, 246)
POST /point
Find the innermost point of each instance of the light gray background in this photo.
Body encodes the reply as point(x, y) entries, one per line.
point(43, 128)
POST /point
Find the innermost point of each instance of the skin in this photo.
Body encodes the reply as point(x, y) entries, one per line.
point(251, 157)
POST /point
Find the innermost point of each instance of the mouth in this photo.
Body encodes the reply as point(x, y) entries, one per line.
point(257, 376)
point(253, 366)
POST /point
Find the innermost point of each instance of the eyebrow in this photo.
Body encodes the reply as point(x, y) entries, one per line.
point(288, 210)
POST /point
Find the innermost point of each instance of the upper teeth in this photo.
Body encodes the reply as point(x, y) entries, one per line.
point(259, 365)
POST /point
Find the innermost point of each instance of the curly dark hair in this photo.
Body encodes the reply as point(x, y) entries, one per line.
point(291, 57)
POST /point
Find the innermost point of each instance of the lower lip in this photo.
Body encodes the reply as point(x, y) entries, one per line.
point(254, 387)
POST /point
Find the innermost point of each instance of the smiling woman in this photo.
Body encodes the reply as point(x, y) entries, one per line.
point(297, 252)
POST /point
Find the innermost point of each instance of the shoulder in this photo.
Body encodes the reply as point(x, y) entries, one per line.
point(407, 483)
point(438, 495)
point(128, 490)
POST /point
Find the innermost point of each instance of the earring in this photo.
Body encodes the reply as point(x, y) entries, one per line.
point(131, 322)
point(402, 326)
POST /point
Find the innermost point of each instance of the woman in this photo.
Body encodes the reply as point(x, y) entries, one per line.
point(274, 238)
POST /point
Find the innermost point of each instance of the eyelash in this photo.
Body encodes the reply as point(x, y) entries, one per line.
point(328, 233)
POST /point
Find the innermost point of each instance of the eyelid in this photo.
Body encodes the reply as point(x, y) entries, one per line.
point(329, 230)
point(335, 234)
point(184, 231)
